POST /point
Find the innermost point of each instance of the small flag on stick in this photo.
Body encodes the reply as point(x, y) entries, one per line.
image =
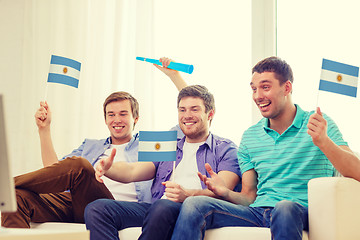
point(64, 70)
point(157, 146)
point(339, 78)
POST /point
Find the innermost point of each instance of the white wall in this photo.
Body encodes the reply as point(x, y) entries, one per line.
point(106, 36)
point(309, 31)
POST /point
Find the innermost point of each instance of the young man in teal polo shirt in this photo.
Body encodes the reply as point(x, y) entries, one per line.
point(277, 157)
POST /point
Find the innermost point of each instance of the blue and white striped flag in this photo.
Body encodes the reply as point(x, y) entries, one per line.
point(64, 70)
point(157, 146)
point(339, 78)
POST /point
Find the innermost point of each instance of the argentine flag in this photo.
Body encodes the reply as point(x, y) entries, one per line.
point(339, 78)
point(64, 70)
point(157, 146)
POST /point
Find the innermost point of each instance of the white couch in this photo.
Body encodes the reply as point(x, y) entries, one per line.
point(334, 207)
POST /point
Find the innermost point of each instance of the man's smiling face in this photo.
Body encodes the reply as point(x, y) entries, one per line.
point(193, 120)
point(268, 94)
point(120, 121)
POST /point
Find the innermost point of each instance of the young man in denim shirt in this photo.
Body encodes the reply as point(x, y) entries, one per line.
point(42, 195)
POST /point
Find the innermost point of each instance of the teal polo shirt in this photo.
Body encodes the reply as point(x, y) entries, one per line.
point(285, 163)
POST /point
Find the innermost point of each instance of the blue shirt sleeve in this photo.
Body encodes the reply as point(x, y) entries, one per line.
point(229, 161)
point(76, 152)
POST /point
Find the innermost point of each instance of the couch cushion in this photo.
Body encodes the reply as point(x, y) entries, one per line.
point(334, 208)
point(228, 233)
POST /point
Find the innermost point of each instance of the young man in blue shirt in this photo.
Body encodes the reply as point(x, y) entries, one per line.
point(42, 196)
point(196, 109)
point(277, 157)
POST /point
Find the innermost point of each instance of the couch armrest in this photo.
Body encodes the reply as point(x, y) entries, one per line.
point(334, 208)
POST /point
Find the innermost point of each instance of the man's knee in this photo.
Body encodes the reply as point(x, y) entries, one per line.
point(288, 211)
point(78, 164)
point(22, 217)
point(288, 220)
point(195, 204)
point(94, 210)
point(286, 207)
point(164, 209)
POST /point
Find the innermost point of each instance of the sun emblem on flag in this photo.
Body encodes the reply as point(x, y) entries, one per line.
point(65, 70)
point(157, 146)
point(339, 77)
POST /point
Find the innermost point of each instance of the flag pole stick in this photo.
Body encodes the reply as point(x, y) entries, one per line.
point(46, 91)
point(317, 100)
point(173, 175)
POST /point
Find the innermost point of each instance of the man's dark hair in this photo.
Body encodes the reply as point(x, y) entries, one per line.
point(200, 92)
point(279, 67)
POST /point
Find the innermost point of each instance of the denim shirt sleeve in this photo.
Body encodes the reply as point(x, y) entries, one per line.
point(76, 152)
point(220, 153)
point(227, 155)
point(90, 149)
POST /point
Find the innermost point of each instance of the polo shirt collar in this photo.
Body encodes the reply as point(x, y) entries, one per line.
point(297, 122)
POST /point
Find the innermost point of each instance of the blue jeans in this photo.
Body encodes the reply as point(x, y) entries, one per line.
point(160, 220)
point(105, 217)
point(286, 220)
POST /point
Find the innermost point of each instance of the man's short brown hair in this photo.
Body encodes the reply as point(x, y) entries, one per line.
point(198, 91)
point(120, 96)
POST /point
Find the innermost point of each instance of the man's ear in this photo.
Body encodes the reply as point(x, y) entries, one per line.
point(135, 121)
point(211, 114)
point(288, 87)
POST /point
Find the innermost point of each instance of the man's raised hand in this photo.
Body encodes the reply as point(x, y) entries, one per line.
point(104, 165)
point(215, 183)
point(43, 116)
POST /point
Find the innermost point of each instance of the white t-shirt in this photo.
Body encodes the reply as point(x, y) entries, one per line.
point(186, 170)
point(120, 191)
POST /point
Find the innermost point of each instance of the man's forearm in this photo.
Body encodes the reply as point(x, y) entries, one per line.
point(343, 159)
point(240, 198)
point(178, 81)
point(131, 172)
point(48, 154)
point(201, 192)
